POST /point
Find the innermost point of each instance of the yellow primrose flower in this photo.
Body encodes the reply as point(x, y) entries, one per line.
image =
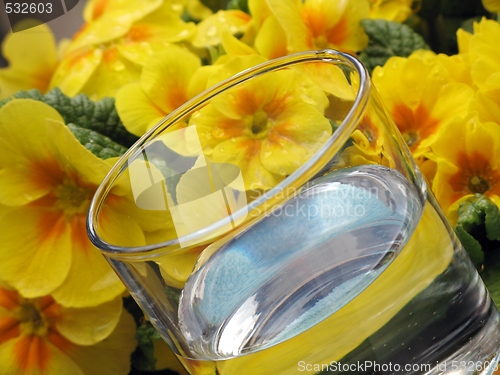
point(483, 50)
point(393, 10)
point(420, 96)
point(32, 58)
point(318, 24)
point(49, 178)
point(486, 102)
point(268, 127)
point(492, 6)
point(117, 40)
point(41, 337)
point(468, 161)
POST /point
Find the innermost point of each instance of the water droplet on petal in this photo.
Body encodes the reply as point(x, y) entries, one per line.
point(118, 66)
point(212, 31)
point(218, 132)
point(266, 154)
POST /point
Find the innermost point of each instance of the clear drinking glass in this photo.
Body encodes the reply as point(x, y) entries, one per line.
point(277, 224)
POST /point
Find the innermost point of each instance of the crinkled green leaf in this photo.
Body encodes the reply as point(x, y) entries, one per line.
point(491, 276)
point(143, 358)
point(100, 145)
point(388, 39)
point(99, 116)
point(472, 246)
point(478, 228)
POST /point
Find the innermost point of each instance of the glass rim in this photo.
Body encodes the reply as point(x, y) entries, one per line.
point(340, 134)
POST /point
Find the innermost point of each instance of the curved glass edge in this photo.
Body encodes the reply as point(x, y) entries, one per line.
point(326, 151)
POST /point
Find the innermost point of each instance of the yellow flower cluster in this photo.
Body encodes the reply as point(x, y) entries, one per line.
point(60, 302)
point(448, 110)
point(122, 37)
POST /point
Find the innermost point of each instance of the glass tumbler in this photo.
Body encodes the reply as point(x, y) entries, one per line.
point(277, 224)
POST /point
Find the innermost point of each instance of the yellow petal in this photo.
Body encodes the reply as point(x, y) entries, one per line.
point(125, 10)
point(486, 101)
point(299, 131)
point(197, 10)
point(110, 19)
point(110, 356)
point(440, 185)
point(233, 66)
point(392, 10)
point(22, 184)
point(73, 157)
point(453, 100)
point(331, 79)
point(26, 152)
point(174, 67)
point(32, 59)
point(88, 326)
point(463, 40)
point(245, 154)
point(34, 356)
point(458, 66)
point(91, 280)
point(271, 39)
point(177, 267)
point(75, 70)
point(454, 134)
point(200, 78)
point(210, 29)
point(113, 72)
point(288, 14)
point(117, 225)
point(151, 36)
point(136, 110)
point(234, 47)
point(485, 55)
point(492, 5)
point(36, 250)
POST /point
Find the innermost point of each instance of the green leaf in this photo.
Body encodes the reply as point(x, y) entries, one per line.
point(478, 228)
point(143, 358)
point(388, 39)
point(100, 145)
point(99, 116)
point(491, 276)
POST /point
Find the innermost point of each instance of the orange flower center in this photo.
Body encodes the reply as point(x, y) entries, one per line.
point(321, 37)
point(72, 198)
point(259, 125)
point(32, 320)
point(475, 176)
point(415, 124)
point(478, 184)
